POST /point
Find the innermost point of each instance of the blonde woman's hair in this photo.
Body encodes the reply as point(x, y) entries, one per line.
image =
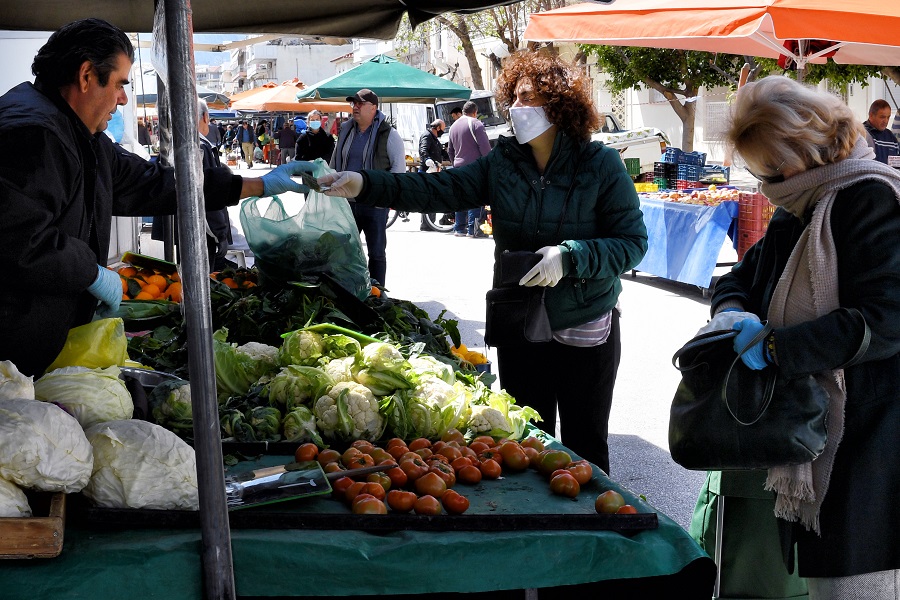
point(778, 124)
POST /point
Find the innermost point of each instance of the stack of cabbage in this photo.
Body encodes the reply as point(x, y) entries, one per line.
point(332, 383)
point(72, 431)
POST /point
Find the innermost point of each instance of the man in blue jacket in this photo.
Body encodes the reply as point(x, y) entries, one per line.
point(882, 139)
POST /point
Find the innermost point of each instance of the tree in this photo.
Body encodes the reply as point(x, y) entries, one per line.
point(676, 74)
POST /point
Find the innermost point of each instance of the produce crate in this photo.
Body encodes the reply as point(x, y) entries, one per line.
point(646, 187)
point(683, 184)
point(754, 214)
point(665, 170)
point(646, 178)
point(715, 170)
point(38, 536)
point(680, 157)
point(661, 183)
point(690, 172)
point(633, 166)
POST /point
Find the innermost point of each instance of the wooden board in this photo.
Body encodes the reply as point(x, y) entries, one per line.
point(35, 537)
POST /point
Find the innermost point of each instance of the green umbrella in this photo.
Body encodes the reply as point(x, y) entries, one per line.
point(392, 80)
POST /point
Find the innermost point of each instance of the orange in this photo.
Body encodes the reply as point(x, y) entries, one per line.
point(143, 296)
point(173, 292)
point(127, 271)
point(376, 292)
point(124, 284)
point(126, 297)
point(175, 277)
point(151, 289)
point(158, 280)
point(230, 283)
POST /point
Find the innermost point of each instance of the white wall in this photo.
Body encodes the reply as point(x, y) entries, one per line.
point(18, 49)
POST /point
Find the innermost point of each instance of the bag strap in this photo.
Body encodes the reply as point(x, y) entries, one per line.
point(769, 391)
point(863, 345)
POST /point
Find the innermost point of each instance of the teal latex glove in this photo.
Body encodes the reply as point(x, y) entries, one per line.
point(279, 180)
point(107, 288)
point(754, 357)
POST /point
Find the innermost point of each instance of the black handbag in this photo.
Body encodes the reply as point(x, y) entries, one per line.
point(516, 314)
point(726, 416)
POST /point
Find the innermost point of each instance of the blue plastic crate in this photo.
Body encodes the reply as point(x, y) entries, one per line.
point(690, 172)
point(692, 158)
point(712, 170)
point(671, 155)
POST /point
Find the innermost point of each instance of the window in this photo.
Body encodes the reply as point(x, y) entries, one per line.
point(714, 120)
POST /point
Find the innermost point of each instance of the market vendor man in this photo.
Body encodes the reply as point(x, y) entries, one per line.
point(62, 180)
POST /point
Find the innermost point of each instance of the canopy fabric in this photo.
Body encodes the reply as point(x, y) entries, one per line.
point(273, 97)
point(377, 19)
point(857, 31)
point(391, 79)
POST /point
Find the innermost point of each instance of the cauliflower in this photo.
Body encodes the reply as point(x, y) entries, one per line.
point(13, 384)
point(340, 369)
point(259, 351)
point(349, 411)
point(434, 406)
point(425, 364)
point(380, 356)
point(301, 347)
point(295, 385)
point(239, 367)
point(490, 421)
point(300, 426)
point(340, 345)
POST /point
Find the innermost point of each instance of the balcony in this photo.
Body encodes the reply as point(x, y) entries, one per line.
point(261, 53)
point(255, 71)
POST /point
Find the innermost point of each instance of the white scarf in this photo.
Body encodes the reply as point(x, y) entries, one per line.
point(806, 290)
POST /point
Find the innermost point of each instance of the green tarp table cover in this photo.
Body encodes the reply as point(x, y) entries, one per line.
point(165, 563)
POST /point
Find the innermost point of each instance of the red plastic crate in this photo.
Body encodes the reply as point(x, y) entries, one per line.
point(682, 184)
point(754, 213)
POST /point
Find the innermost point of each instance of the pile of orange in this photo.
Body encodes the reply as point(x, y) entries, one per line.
point(236, 279)
point(147, 284)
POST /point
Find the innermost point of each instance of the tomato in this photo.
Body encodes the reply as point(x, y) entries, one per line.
point(381, 479)
point(609, 502)
point(394, 442)
point(470, 475)
point(553, 460)
point(492, 454)
point(513, 456)
point(431, 484)
point(486, 440)
point(365, 504)
point(424, 452)
point(397, 476)
point(339, 487)
point(450, 452)
point(469, 453)
point(328, 456)
point(419, 443)
point(453, 435)
point(380, 454)
point(581, 470)
point(375, 489)
point(348, 455)
point(359, 461)
point(478, 447)
point(427, 505)
point(564, 484)
point(626, 509)
point(437, 458)
point(445, 472)
point(408, 455)
point(401, 501)
point(398, 450)
point(364, 446)
point(532, 442)
point(306, 452)
point(355, 489)
point(460, 462)
point(454, 502)
point(333, 467)
point(436, 447)
point(490, 469)
point(414, 468)
point(532, 455)
point(558, 472)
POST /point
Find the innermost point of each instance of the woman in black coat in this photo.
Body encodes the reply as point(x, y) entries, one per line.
point(826, 271)
point(315, 142)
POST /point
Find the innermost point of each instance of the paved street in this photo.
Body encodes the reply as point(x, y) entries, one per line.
point(439, 271)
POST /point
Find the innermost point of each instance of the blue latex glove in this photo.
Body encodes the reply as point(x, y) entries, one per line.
point(754, 357)
point(107, 288)
point(279, 180)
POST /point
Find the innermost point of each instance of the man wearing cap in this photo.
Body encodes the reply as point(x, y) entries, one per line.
point(367, 141)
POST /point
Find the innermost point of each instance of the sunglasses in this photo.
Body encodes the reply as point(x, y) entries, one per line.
point(770, 178)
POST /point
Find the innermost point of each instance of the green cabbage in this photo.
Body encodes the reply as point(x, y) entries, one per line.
point(90, 395)
point(170, 405)
point(296, 385)
point(265, 422)
point(239, 367)
point(299, 425)
point(13, 384)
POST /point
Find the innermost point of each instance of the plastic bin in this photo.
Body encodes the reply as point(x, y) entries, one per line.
point(678, 156)
point(633, 166)
point(683, 184)
point(690, 172)
point(713, 170)
point(646, 187)
point(754, 213)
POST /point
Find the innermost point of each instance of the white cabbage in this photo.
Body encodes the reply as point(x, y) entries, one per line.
point(13, 384)
point(141, 465)
point(13, 502)
point(42, 447)
point(90, 395)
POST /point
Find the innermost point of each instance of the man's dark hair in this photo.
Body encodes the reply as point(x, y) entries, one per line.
point(470, 108)
point(456, 111)
point(58, 61)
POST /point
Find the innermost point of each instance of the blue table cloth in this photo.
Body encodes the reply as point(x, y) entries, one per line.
point(685, 239)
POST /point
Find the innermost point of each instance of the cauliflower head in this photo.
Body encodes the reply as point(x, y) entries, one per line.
point(301, 347)
point(349, 411)
point(340, 369)
point(490, 421)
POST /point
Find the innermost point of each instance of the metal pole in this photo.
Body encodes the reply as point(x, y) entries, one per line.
point(218, 570)
point(164, 132)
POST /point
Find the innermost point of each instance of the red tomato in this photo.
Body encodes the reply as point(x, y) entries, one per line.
point(306, 452)
point(349, 454)
point(414, 468)
point(381, 479)
point(609, 502)
point(454, 502)
point(364, 446)
point(565, 485)
point(581, 470)
point(558, 472)
point(469, 453)
point(470, 475)
point(425, 453)
point(394, 442)
point(460, 462)
point(328, 456)
point(339, 487)
point(453, 435)
point(409, 455)
point(626, 509)
point(356, 488)
point(398, 450)
point(436, 447)
point(398, 477)
point(513, 456)
point(532, 442)
point(486, 440)
point(553, 460)
point(401, 501)
point(445, 472)
point(431, 484)
point(427, 505)
point(490, 469)
point(375, 489)
point(359, 461)
point(492, 454)
point(380, 454)
point(333, 467)
point(365, 504)
point(532, 455)
point(478, 447)
point(450, 452)
point(419, 443)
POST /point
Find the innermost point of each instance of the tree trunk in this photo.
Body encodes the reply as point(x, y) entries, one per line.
point(461, 30)
point(687, 126)
point(686, 111)
point(893, 73)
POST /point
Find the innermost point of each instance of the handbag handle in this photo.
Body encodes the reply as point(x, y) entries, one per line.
point(769, 391)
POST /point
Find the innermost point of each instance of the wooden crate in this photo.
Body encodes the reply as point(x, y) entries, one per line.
point(35, 537)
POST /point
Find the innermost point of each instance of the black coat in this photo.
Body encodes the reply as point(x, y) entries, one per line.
point(311, 146)
point(859, 518)
point(430, 147)
point(58, 193)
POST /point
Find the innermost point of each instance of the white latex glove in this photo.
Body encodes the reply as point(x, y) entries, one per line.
point(548, 272)
point(724, 320)
point(429, 162)
point(347, 184)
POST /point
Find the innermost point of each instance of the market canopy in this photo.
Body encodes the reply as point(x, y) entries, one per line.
point(275, 97)
point(340, 18)
point(391, 79)
point(860, 32)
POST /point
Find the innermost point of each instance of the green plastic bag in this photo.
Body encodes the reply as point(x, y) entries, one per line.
point(321, 238)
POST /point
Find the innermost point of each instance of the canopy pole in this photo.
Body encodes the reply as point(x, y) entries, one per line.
point(218, 570)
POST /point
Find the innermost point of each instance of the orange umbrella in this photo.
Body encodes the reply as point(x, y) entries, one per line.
point(860, 32)
point(273, 97)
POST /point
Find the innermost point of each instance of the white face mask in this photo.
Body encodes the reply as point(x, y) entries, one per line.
point(314, 125)
point(528, 122)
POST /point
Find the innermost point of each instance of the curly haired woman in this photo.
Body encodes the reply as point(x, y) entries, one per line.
point(554, 192)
